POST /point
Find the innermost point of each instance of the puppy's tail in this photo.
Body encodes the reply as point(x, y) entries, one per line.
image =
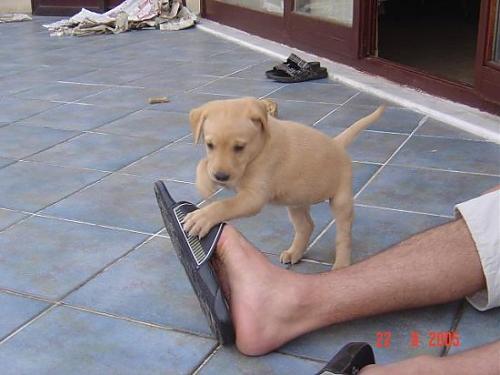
point(347, 136)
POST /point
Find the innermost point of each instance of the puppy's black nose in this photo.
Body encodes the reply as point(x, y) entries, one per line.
point(221, 176)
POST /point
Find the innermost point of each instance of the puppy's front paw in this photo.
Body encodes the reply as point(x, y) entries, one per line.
point(290, 256)
point(199, 222)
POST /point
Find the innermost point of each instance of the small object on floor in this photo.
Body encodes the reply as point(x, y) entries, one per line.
point(194, 255)
point(272, 107)
point(158, 100)
point(295, 69)
point(350, 359)
point(14, 17)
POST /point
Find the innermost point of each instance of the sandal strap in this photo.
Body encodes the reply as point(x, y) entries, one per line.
point(288, 69)
point(301, 63)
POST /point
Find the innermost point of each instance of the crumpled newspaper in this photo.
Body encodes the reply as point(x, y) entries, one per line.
point(13, 17)
point(129, 15)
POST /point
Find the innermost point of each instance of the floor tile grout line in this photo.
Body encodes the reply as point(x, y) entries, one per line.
point(28, 323)
point(155, 151)
point(37, 212)
point(206, 359)
point(35, 297)
point(320, 234)
point(38, 113)
point(53, 145)
point(455, 138)
point(300, 356)
point(60, 303)
point(329, 103)
point(372, 177)
point(272, 92)
point(103, 177)
point(13, 161)
point(403, 210)
point(57, 101)
point(83, 131)
point(377, 172)
point(53, 164)
point(409, 166)
point(88, 223)
point(135, 321)
point(313, 261)
point(385, 132)
point(80, 100)
point(218, 79)
point(109, 265)
point(85, 187)
point(20, 221)
point(69, 47)
point(107, 85)
point(366, 162)
point(121, 117)
point(118, 172)
point(45, 216)
point(335, 109)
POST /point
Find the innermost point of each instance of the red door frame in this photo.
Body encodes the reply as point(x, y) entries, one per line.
point(487, 77)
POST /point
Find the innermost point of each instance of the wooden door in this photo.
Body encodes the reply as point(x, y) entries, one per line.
point(314, 25)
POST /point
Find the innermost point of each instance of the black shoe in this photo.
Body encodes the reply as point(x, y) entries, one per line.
point(349, 360)
point(295, 69)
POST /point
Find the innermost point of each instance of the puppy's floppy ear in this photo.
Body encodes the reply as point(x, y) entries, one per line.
point(196, 118)
point(258, 113)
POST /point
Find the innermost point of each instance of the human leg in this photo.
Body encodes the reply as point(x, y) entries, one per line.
point(270, 306)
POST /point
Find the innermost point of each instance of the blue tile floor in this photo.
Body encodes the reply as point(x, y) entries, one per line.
point(88, 280)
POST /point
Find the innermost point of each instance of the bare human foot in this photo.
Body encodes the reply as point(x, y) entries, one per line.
point(264, 299)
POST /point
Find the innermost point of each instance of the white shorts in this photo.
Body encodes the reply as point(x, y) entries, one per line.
point(482, 216)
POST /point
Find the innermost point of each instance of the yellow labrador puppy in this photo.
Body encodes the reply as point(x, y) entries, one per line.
point(266, 160)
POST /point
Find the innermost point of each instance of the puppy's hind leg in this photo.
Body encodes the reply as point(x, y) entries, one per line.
point(303, 225)
point(206, 187)
point(342, 207)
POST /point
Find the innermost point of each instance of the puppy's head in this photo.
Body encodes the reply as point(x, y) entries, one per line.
point(234, 132)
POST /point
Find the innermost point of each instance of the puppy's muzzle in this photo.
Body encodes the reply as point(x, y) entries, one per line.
point(221, 176)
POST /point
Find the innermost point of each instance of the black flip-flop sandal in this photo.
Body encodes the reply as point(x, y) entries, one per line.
point(349, 360)
point(288, 73)
point(293, 66)
point(195, 254)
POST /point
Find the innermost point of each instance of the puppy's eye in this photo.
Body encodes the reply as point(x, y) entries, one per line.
point(210, 145)
point(238, 148)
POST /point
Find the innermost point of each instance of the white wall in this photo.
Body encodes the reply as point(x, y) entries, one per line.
point(9, 6)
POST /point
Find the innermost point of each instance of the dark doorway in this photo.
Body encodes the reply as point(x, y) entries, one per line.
point(70, 7)
point(438, 37)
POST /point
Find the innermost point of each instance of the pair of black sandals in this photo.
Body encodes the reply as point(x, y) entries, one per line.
point(295, 69)
point(195, 254)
